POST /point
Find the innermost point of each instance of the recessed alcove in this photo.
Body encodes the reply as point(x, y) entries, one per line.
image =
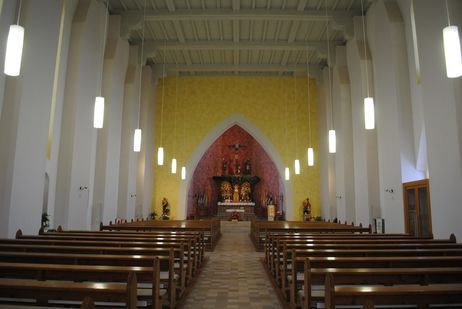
point(224, 149)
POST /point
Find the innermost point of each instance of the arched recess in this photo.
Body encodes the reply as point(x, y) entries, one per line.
point(208, 140)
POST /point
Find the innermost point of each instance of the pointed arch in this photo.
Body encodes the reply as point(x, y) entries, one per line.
point(208, 140)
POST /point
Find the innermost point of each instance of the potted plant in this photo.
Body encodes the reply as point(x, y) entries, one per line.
point(45, 221)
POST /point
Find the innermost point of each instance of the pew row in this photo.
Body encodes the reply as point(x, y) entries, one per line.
point(44, 291)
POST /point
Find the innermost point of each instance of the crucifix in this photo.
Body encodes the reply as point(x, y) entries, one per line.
point(236, 147)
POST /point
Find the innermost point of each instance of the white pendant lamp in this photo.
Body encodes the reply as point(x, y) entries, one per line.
point(160, 156)
point(310, 156)
point(173, 166)
point(332, 139)
point(310, 151)
point(452, 52)
point(332, 142)
point(369, 110)
point(137, 140)
point(160, 150)
point(287, 173)
point(13, 53)
point(183, 173)
point(297, 167)
point(98, 116)
point(137, 136)
point(369, 115)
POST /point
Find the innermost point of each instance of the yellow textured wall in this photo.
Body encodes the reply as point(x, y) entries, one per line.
point(267, 102)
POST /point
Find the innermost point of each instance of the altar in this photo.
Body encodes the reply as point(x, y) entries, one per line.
point(241, 210)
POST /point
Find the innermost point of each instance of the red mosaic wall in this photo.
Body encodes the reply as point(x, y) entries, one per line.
point(211, 165)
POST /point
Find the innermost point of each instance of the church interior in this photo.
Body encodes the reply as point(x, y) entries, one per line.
point(231, 133)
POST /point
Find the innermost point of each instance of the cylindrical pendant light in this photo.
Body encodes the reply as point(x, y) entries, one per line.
point(452, 51)
point(332, 142)
point(310, 157)
point(369, 115)
point(183, 173)
point(137, 136)
point(173, 166)
point(297, 167)
point(98, 115)
point(13, 53)
point(287, 173)
point(369, 109)
point(137, 140)
point(160, 156)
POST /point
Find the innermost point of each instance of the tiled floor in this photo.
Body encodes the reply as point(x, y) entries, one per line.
point(234, 276)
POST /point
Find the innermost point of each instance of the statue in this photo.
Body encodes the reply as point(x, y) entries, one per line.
point(236, 194)
point(224, 167)
point(165, 209)
point(306, 210)
point(225, 191)
point(247, 167)
point(245, 192)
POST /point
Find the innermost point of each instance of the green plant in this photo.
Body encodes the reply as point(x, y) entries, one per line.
point(45, 220)
point(153, 215)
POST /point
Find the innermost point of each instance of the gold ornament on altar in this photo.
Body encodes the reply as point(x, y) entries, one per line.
point(245, 192)
point(225, 191)
point(236, 194)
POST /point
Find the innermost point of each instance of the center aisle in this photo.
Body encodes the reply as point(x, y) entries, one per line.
point(234, 276)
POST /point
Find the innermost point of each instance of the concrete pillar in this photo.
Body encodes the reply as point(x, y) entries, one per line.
point(130, 122)
point(74, 190)
point(25, 120)
point(345, 202)
point(109, 137)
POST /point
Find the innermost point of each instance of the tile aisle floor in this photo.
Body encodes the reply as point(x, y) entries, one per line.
point(234, 276)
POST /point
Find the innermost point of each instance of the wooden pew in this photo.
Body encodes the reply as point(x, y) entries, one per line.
point(197, 238)
point(369, 296)
point(210, 228)
point(190, 256)
point(47, 290)
point(259, 229)
point(80, 273)
point(411, 274)
point(166, 272)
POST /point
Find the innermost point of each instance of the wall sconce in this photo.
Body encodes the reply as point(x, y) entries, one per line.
point(389, 190)
point(83, 188)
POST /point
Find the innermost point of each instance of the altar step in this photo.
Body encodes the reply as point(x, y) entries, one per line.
point(226, 216)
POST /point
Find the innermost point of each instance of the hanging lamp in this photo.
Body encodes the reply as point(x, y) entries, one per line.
point(310, 152)
point(98, 114)
point(174, 163)
point(332, 138)
point(138, 133)
point(369, 110)
point(160, 150)
point(452, 53)
point(14, 45)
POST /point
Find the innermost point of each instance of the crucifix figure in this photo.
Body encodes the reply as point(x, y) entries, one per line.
point(236, 147)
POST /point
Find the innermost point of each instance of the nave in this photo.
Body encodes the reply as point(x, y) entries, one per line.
point(234, 276)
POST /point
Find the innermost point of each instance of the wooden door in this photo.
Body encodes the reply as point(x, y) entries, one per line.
point(417, 212)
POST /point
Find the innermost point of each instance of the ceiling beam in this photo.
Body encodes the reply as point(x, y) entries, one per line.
point(242, 14)
point(150, 47)
point(170, 68)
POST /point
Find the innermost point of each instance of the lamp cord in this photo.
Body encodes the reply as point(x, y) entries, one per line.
point(308, 96)
point(447, 12)
point(141, 65)
point(104, 50)
point(328, 66)
point(174, 117)
point(163, 94)
point(296, 116)
point(19, 12)
point(365, 47)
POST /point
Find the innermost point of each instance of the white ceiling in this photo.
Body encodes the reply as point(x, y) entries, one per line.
point(246, 37)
